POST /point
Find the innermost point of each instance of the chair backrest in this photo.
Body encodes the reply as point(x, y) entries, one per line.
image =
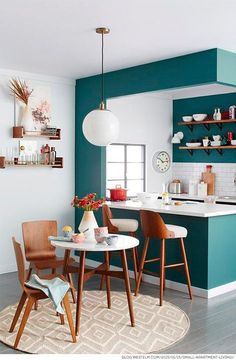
point(153, 225)
point(35, 236)
point(20, 261)
point(106, 216)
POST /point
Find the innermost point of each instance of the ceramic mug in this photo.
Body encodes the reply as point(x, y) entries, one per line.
point(112, 240)
point(100, 234)
point(205, 142)
point(216, 137)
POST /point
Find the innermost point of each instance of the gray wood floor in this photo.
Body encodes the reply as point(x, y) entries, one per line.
point(213, 322)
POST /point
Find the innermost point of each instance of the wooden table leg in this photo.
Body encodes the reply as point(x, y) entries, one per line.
point(127, 286)
point(69, 276)
point(108, 281)
point(66, 260)
point(80, 290)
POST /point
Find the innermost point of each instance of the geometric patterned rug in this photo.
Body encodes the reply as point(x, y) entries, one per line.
point(102, 331)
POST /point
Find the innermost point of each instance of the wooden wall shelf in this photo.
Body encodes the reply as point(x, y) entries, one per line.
point(207, 123)
point(18, 133)
point(58, 164)
point(208, 149)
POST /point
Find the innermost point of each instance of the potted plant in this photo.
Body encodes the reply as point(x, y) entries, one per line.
point(22, 93)
point(88, 222)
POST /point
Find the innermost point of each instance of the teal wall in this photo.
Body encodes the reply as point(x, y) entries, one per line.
point(203, 104)
point(206, 67)
point(189, 70)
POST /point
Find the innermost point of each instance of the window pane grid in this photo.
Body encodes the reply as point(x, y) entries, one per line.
point(131, 160)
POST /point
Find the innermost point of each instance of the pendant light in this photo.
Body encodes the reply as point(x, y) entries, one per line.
point(101, 126)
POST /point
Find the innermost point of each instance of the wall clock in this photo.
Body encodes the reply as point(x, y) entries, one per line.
point(161, 161)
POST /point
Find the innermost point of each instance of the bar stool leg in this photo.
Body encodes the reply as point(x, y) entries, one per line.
point(186, 267)
point(108, 282)
point(141, 266)
point(127, 286)
point(135, 266)
point(162, 269)
point(80, 290)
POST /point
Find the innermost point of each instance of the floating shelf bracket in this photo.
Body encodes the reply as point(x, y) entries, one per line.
point(208, 151)
point(220, 151)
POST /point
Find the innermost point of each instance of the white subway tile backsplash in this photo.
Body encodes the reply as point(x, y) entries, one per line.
point(225, 174)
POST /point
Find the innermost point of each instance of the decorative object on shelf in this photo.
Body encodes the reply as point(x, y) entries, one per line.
point(177, 138)
point(208, 177)
point(41, 107)
point(205, 141)
point(22, 93)
point(101, 126)
point(199, 117)
point(88, 222)
point(232, 112)
point(161, 161)
point(67, 231)
point(187, 118)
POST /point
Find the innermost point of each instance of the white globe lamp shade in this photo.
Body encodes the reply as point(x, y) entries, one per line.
point(101, 127)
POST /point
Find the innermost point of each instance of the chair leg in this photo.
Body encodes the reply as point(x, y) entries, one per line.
point(73, 293)
point(36, 301)
point(162, 264)
point(28, 308)
point(53, 271)
point(141, 266)
point(62, 319)
point(108, 281)
point(135, 266)
point(18, 311)
point(69, 316)
point(186, 267)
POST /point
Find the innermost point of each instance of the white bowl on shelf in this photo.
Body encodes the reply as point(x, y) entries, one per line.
point(193, 144)
point(199, 117)
point(187, 118)
point(233, 142)
point(215, 143)
point(147, 198)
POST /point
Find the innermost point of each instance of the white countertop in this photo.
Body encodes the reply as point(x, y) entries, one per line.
point(220, 199)
point(196, 209)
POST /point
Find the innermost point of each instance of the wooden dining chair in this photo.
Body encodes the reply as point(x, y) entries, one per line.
point(33, 295)
point(39, 251)
point(116, 226)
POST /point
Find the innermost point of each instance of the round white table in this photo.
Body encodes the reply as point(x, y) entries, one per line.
point(124, 242)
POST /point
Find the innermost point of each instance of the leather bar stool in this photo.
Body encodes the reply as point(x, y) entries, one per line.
point(153, 226)
point(116, 226)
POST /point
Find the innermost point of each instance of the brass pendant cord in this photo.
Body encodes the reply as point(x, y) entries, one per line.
point(102, 84)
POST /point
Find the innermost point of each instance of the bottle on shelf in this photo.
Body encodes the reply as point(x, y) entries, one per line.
point(218, 114)
point(215, 114)
point(53, 156)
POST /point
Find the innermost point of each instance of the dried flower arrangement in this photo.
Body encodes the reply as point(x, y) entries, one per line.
point(20, 90)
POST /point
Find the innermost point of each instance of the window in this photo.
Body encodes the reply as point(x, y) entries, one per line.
point(126, 167)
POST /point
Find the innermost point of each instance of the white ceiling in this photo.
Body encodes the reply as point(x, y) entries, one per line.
point(57, 37)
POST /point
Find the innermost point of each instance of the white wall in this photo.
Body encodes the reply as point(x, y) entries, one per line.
point(146, 119)
point(36, 193)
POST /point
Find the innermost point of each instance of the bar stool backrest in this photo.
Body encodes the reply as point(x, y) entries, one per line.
point(35, 236)
point(153, 225)
point(20, 261)
point(106, 216)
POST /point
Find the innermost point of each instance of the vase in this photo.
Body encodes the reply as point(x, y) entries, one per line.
point(27, 119)
point(89, 222)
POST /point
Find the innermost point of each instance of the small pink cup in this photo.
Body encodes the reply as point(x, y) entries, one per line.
point(100, 234)
point(78, 238)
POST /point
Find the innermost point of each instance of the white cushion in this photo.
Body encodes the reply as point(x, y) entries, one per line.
point(125, 225)
point(179, 231)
